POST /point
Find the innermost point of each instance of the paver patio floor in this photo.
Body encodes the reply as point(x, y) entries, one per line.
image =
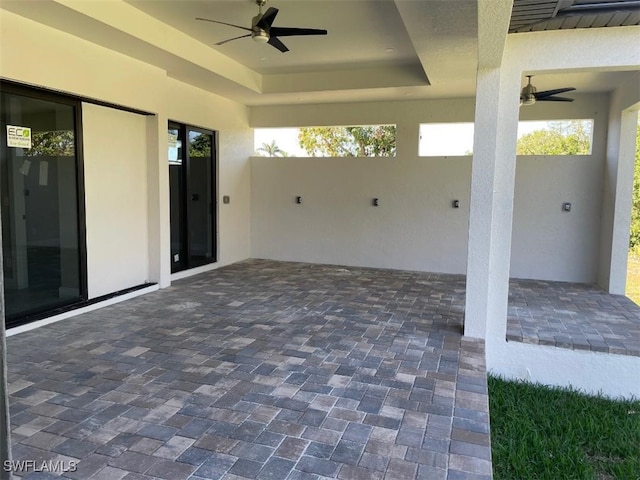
point(573, 315)
point(267, 370)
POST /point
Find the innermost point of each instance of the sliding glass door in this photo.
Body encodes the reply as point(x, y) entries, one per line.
point(42, 249)
point(192, 162)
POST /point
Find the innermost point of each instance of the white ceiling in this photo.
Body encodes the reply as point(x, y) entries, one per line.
point(369, 52)
point(375, 23)
point(374, 49)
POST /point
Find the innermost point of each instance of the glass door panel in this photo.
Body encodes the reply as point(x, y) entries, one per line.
point(192, 194)
point(177, 179)
point(200, 198)
point(39, 202)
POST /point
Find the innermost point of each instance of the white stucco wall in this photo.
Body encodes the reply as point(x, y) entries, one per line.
point(94, 72)
point(415, 226)
point(593, 372)
point(115, 177)
point(548, 243)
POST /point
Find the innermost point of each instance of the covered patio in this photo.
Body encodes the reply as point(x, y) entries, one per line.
point(266, 369)
point(261, 369)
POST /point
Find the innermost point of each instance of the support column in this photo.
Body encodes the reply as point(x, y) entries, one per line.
point(158, 200)
point(618, 189)
point(491, 210)
point(492, 178)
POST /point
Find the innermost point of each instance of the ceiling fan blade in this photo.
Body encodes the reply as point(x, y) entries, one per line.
point(223, 23)
point(274, 42)
point(554, 99)
point(547, 93)
point(267, 19)
point(288, 32)
point(234, 38)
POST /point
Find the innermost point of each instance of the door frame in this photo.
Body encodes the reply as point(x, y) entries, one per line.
point(184, 130)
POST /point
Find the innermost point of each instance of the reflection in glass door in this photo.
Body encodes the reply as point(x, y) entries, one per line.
point(41, 247)
point(177, 206)
point(192, 196)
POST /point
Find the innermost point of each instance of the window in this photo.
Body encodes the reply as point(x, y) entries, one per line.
point(445, 139)
point(334, 141)
point(555, 137)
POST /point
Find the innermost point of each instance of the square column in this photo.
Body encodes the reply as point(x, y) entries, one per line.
point(491, 209)
point(618, 189)
point(158, 200)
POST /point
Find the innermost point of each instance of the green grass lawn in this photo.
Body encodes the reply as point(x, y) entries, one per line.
point(544, 433)
point(633, 277)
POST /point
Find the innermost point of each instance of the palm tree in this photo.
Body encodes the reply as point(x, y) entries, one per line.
point(271, 150)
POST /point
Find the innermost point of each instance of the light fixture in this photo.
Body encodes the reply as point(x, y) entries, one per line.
point(260, 36)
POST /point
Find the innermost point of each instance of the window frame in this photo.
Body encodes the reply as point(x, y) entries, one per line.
point(76, 103)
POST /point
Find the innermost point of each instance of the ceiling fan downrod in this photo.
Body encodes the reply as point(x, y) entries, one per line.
point(258, 34)
point(528, 96)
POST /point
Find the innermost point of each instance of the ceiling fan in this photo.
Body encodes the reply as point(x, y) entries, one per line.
point(261, 30)
point(530, 95)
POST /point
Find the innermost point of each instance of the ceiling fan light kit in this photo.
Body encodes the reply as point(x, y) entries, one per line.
point(260, 37)
point(262, 31)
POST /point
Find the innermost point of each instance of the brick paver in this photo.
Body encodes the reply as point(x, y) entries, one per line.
point(573, 315)
point(262, 369)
